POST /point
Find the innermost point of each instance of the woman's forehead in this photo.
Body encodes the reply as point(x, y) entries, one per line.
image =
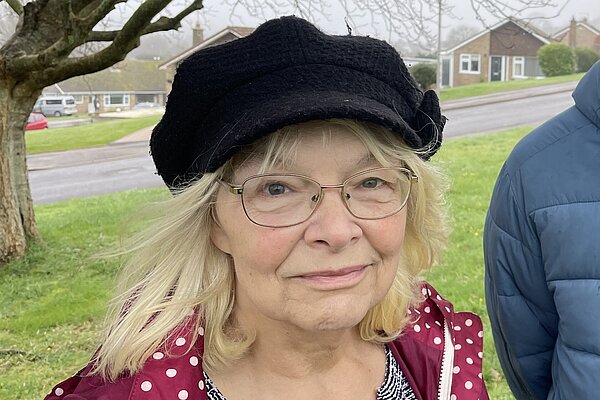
point(339, 149)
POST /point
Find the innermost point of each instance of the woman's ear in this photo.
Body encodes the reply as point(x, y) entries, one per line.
point(218, 235)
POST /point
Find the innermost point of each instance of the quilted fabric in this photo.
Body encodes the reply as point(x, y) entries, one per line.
point(542, 255)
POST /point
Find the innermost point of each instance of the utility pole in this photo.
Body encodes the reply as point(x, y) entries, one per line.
point(438, 83)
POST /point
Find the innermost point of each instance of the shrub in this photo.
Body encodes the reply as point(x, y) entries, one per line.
point(556, 59)
point(424, 74)
point(585, 58)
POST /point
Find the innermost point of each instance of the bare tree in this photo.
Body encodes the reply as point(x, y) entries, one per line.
point(458, 34)
point(409, 20)
point(39, 53)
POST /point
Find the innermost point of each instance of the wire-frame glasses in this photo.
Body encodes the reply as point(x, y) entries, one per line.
point(282, 200)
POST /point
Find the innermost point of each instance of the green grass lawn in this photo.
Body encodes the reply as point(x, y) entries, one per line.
point(77, 137)
point(53, 299)
point(479, 89)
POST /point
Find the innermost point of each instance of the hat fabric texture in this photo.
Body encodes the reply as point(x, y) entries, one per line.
point(286, 72)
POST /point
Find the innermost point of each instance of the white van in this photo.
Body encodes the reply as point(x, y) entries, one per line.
point(55, 105)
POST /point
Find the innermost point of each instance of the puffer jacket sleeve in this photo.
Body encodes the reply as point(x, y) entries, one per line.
point(520, 307)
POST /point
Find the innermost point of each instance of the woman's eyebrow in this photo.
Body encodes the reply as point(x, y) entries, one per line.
point(365, 161)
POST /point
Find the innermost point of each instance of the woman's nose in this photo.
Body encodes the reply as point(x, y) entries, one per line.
point(332, 225)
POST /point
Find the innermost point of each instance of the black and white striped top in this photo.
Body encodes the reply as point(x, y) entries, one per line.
point(394, 386)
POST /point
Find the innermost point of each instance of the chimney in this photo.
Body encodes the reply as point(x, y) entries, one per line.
point(197, 35)
point(573, 33)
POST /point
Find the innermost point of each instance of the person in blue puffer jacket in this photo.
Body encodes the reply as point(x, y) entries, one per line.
point(542, 255)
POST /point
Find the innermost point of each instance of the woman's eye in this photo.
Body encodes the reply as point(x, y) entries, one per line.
point(371, 183)
point(275, 189)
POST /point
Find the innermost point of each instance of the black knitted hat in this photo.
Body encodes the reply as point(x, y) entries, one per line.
point(286, 72)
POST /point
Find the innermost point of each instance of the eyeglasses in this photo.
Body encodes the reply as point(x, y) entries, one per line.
point(282, 200)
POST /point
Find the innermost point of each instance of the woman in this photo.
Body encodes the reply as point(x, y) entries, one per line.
point(286, 263)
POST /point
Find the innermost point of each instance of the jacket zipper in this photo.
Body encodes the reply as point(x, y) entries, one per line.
point(445, 384)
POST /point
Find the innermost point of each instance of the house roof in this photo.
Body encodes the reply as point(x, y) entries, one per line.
point(237, 31)
point(538, 34)
point(583, 24)
point(125, 76)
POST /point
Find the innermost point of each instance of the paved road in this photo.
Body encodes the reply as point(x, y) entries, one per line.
point(493, 117)
point(81, 173)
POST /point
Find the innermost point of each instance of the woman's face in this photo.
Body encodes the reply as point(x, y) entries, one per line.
point(325, 273)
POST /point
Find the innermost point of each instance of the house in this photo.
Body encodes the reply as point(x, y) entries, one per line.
point(117, 88)
point(226, 35)
point(579, 34)
point(505, 51)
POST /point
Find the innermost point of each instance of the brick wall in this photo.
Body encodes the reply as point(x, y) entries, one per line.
point(583, 38)
point(511, 40)
point(479, 46)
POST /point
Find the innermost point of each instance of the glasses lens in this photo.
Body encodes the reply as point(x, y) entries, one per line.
point(279, 200)
point(377, 193)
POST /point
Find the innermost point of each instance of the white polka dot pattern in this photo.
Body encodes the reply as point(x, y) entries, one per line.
point(146, 386)
point(174, 371)
point(467, 334)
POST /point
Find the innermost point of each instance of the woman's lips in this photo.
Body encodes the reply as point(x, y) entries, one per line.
point(334, 279)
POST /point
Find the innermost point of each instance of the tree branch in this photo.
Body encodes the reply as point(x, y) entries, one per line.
point(92, 13)
point(506, 8)
point(124, 40)
point(163, 24)
point(74, 30)
point(16, 6)
point(102, 36)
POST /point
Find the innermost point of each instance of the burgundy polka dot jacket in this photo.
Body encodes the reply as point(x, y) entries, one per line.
point(440, 353)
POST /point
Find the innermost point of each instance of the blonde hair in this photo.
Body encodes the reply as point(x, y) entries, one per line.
point(175, 274)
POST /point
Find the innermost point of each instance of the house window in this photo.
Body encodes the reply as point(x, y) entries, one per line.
point(469, 63)
point(144, 98)
point(116, 99)
point(519, 67)
point(78, 98)
point(532, 67)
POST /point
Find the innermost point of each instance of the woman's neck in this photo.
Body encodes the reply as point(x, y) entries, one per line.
point(295, 367)
point(283, 348)
point(302, 354)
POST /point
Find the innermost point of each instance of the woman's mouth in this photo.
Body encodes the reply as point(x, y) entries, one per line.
point(335, 278)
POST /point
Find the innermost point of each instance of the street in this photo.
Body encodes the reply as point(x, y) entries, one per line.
point(494, 117)
point(88, 172)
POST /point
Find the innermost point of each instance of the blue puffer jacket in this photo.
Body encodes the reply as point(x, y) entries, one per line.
point(542, 255)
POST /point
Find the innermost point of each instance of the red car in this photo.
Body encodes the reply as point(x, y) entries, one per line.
point(36, 121)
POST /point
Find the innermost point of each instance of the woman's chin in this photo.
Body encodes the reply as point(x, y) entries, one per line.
point(339, 317)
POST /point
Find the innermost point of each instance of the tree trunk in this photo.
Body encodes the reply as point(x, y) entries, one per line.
point(17, 219)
